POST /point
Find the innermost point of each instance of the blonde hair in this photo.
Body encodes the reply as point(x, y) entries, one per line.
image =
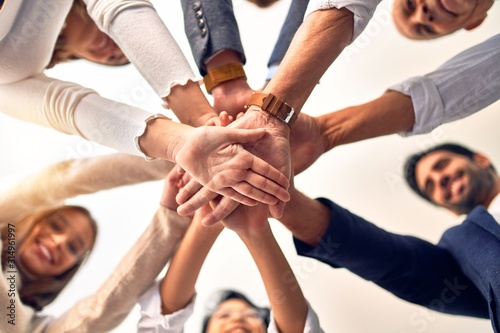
point(41, 292)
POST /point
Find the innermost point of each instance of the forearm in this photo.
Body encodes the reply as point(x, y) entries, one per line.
point(306, 218)
point(146, 41)
point(390, 113)
point(318, 42)
point(189, 104)
point(285, 296)
point(162, 138)
point(411, 268)
point(49, 187)
point(178, 286)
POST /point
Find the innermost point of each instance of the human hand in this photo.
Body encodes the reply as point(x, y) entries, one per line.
point(273, 148)
point(174, 181)
point(192, 197)
point(246, 221)
point(231, 96)
point(306, 142)
point(214, 158)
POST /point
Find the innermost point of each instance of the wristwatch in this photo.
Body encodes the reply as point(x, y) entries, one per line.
point(274, 106)
point(221, 74)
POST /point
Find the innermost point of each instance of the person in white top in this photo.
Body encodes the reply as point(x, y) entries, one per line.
point(44, 242)
point(214, 156)
point(168, 304)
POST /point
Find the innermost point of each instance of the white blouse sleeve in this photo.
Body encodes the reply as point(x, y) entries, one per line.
point(136, 27)
point(153, 321)
point(72, 109)
point(312, 322)
point(362, 11)
point(464, 85)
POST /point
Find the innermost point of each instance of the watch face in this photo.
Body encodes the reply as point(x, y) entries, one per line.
point(289, 116)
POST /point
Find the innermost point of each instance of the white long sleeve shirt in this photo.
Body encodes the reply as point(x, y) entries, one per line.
point(465, 84)
point(28, 33)
point(153, 321)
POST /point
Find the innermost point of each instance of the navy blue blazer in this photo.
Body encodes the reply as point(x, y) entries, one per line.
point(457, 276)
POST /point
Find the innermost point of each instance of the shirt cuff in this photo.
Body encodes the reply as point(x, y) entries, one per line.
point(152, 320)
point(329, 243)
point(136, 139)
point(362, 11)
point(427, 104)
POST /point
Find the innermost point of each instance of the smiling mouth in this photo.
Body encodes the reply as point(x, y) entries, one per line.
point(238, 329)
point(46, 253)
point(455, 186)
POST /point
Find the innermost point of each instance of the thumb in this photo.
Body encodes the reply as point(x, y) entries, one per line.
point(236, 135)
point(277, 209)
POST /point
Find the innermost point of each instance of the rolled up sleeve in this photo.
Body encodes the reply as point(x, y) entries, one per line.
point(362, 11)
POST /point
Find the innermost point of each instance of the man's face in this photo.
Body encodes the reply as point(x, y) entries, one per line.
point(428, 19)
point(454, 181)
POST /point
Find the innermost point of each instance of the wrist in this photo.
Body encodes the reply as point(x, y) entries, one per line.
point(156, 142)
point(231, 87)
point(268, 121)
point(327, 141)
point(274, 106)
point(255, 236)
point(222, 74)
point(189, 104)
point(164, 138)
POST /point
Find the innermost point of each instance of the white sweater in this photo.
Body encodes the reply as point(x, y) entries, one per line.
point(28, 33)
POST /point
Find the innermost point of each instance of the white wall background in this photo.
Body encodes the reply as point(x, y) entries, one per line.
point(365, 177)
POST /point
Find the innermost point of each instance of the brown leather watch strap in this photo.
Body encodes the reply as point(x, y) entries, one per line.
point(221, 74)
point(274, 106)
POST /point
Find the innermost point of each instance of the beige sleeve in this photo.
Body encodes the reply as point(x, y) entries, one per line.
point(52, 185)
point(137, 270)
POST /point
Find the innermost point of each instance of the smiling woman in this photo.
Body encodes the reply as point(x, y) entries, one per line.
point(51, 246)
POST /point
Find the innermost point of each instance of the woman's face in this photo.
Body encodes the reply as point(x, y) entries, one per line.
point(236, 316)
point(56, 243)
point(84, 40)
